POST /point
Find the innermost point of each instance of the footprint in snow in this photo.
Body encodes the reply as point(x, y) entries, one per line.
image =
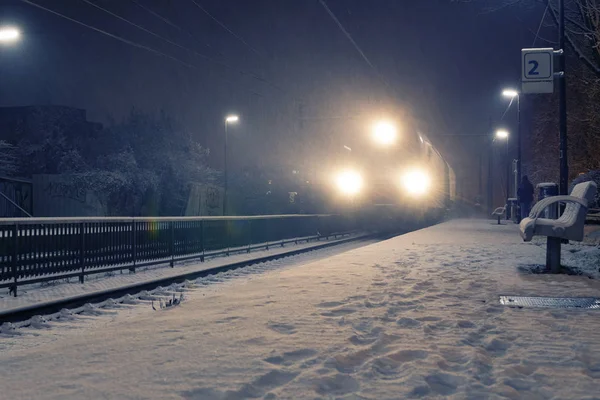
point(339, 312)
point(408, 355)
point(497, 347)
point(284, 329)
point(465, 324)
point(442, 383)
point(291, 357)
point(408, 323)
point(339, 384)
point(330, 304)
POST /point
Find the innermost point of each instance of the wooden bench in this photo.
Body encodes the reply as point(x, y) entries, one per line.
point(568, 226)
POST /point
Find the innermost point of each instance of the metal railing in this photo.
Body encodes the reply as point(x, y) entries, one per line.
point(34, 250)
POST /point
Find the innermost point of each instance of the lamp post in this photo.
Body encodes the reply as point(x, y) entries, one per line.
point(229, 119)
point(510, 93)
point(502, 134)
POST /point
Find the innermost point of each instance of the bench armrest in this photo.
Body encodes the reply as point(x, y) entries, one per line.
point(499, 211)
point(541, 205)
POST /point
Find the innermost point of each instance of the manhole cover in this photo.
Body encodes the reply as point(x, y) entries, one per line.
point(551, 302)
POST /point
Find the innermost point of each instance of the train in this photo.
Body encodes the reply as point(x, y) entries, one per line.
point(390, 176)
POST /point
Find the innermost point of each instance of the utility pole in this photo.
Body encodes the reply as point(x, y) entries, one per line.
point(226, 183)
point(507, 180)
point(519, 143)
point(480, 190)
point(562, 107)
point(490, 187)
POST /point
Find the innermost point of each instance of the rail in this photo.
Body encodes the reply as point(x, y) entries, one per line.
point(34, 250)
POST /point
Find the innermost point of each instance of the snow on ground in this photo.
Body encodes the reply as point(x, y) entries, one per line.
point(63, 289)
point(413, 316)
point(579, 257)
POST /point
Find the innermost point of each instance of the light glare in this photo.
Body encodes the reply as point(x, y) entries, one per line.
point(9, 34)
point(510, 93)
point(416, 182)
point(502, 134)
point(349, 182)
point(384, 133)
point(232, 118)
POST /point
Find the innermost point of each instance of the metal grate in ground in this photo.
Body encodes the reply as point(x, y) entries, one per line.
point(551, 302)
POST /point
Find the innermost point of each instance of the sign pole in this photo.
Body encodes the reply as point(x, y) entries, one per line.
point(562, 107)
point(519, 144)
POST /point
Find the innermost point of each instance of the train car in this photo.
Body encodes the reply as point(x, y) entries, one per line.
point(389, 176)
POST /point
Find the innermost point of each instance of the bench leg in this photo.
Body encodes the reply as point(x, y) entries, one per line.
point(499, 220)
point(553, 255)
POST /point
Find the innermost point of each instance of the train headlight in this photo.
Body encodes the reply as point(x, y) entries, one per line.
point(416, 182)
point(349, 182)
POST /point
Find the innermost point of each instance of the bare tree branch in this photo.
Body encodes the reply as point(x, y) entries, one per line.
point(589, 63)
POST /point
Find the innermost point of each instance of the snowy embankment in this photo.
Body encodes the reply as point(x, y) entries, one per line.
point(413, 316)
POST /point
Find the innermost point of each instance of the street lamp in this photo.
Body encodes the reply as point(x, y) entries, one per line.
point(9, 34)
point(384, 133)
point(511, 94)
point(502, 134)
point(228, 120)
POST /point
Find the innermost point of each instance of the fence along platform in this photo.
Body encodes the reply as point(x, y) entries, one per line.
point(34, 250)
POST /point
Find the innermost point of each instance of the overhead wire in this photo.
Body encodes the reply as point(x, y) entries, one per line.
point(222, 25)
point(537, 35)
point(134, 44)
point(116, 37)
point(166, 20)
point(353, 42)
point(148, 31)
point(158, 52)
point(157, 15)
point(201, 55)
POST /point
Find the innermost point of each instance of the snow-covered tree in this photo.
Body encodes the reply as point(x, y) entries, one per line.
point(8, 161)
point(154, 160)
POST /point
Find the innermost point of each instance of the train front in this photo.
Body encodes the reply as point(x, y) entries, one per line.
point(389, 178)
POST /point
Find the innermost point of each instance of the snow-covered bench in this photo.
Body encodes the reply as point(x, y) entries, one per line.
point(569, 226)
point(499, 213)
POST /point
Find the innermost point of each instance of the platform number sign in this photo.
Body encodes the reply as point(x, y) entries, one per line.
point(537, 66)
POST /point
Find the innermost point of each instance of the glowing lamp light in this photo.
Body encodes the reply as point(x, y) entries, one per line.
point(510, 93)
point(502, 134)
point(232, 118)
point(9, 34)
point(416, 182)
point(384, 133)
point(349, 182)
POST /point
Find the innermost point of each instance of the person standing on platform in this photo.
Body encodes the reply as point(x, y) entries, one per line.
point(525, 196)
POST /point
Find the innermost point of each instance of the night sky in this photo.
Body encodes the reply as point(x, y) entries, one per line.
point(447, 61)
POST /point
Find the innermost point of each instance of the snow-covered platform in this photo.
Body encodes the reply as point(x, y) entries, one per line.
point(414, 316)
